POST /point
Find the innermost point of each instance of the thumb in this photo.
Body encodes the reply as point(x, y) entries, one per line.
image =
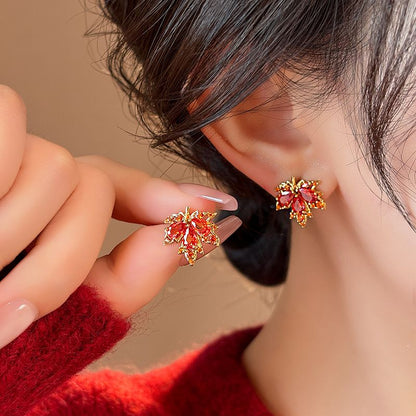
point(138, 267)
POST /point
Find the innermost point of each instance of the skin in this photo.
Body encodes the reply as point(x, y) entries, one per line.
point(59, 208)
point(341, 339)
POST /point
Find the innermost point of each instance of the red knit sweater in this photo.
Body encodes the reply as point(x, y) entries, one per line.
point(38, 370)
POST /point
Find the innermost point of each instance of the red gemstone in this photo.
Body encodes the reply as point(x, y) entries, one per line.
point(210, 238)
point(285, 198)
point(298, 204)
point(190, 238)
point(176, 230)
point(307, 194)
point(201, 226)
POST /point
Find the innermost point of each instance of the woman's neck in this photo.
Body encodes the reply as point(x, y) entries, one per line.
point(341, 340)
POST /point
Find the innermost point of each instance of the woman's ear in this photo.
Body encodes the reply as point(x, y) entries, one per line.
point(269, 140)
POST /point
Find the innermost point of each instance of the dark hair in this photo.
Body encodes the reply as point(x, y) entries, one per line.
point(166, 53)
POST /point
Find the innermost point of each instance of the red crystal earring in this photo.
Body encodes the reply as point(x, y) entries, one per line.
point(300, 196)
point(191, 229)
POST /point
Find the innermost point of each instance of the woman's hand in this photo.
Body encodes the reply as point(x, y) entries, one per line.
point(136, 269)
point(61, 206)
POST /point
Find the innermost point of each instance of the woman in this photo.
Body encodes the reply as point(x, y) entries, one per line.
point(255, 93)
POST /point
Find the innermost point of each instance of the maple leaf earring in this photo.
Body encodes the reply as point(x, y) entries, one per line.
point(191, 229)
point(299, 196)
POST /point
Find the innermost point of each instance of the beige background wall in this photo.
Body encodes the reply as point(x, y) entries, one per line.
point(45, 57)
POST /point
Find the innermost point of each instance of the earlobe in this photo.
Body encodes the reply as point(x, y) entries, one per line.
point(260, 139)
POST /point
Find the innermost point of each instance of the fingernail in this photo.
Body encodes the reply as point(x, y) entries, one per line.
point(227, 202)
point(226, 227)
point(15, 317)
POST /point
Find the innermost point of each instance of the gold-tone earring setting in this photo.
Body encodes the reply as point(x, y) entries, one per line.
point(299, 196)
point(191, 229)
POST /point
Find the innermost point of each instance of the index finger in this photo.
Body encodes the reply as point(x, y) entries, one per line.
point(12, 136)
point(146, 200)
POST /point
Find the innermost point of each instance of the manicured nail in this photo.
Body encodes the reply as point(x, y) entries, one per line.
point(226, 227)
point(15, 317)
point(226, 202)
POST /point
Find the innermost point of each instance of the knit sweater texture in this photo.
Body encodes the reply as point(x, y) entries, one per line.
point(41, 370)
